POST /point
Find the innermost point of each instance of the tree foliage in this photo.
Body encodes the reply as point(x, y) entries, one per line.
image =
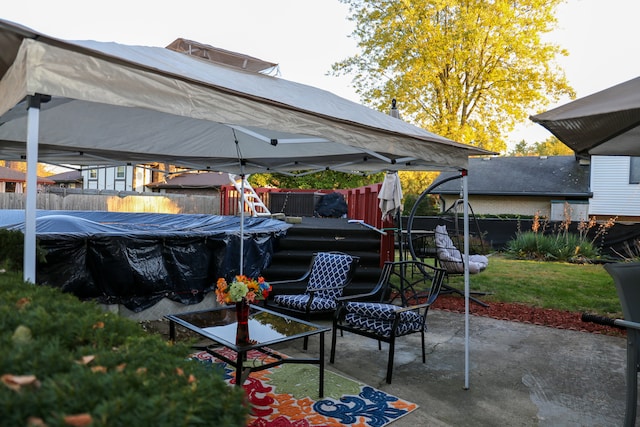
point(326, 180)
point(42, 169)
point(549, 147)
point(413, 183)
point(469, 70)
point(416, 182)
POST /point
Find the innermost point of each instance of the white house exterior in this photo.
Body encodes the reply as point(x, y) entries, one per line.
point(118, 178)
point(615, 184)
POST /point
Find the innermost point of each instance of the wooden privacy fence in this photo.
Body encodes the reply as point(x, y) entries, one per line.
point(118, 202)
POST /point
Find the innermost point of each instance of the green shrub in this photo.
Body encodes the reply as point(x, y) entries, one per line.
point(559, 244)
point(133, 377)
point(544, 247)
point(12, 250)
point(428, 205)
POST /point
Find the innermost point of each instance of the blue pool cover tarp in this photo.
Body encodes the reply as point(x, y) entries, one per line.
point(136, 259)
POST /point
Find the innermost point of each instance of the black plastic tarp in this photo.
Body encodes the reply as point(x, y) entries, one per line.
point(136, 259)
point(331, 205)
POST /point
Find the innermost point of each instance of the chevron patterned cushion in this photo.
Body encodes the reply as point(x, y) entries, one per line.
point(373, 309)
point(378, 318)
point(329, 270)
point(299, 302)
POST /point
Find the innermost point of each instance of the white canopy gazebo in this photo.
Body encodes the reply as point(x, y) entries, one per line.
point(95, 103)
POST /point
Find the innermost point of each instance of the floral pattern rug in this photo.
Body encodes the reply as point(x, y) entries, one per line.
point(287, 395)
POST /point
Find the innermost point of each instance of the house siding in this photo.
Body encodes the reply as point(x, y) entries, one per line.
point(143, 177)
point(612, 193)
point(135, 179)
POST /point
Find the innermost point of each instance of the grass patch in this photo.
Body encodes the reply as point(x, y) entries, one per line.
point(543, 284)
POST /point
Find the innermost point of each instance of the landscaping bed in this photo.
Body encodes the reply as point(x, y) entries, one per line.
point(526, 314)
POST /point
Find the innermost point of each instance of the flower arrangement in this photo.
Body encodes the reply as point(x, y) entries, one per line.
point(241, 288)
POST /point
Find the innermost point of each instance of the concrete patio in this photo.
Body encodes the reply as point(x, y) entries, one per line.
point(520, 374)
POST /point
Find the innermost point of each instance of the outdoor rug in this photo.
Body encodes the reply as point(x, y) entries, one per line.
point(287, 395)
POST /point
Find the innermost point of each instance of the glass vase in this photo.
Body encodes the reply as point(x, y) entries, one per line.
point(242, 317)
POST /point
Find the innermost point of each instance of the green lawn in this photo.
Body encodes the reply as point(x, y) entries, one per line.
point(562, 286)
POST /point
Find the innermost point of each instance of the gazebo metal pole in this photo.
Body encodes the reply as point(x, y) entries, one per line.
point(242, 223)
point(465, 196)
point(33, 129)
point(241, 201)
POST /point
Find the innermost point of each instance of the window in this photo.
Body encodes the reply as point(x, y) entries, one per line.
point(634, 170)
point(120, 172)
point(93, 174)
point(576, 210)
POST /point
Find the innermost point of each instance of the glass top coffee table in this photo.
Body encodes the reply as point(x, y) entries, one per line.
point(266, 328)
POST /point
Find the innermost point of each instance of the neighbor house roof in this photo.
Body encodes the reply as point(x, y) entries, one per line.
point(12, 175)
point(193, 180)
point(70, 176)
point(552, 176)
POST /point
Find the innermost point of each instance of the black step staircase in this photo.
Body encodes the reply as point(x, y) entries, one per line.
point(293, 252)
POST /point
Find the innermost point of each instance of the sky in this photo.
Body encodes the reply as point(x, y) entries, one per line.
point(305, 37)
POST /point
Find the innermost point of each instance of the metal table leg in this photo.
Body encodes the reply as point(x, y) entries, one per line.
point(321, 366)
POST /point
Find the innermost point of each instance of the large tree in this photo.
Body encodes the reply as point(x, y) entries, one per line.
point(42, 169)
point(469, 70)
point(549, 147)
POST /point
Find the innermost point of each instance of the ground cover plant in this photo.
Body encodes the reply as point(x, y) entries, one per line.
point(66, 362)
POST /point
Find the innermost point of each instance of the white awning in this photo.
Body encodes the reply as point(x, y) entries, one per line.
point(114, 103)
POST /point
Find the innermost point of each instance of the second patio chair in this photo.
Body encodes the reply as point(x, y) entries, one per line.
point(384, 321)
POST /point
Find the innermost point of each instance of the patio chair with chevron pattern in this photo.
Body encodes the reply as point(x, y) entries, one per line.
point(328, 275)
point(385, 321)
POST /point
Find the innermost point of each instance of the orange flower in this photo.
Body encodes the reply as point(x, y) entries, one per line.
point(251, 296)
